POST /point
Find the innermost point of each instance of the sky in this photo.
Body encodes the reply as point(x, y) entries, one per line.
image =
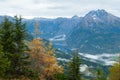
point(56, 8)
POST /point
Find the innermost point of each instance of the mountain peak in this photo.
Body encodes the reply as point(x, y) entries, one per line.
point(98, 13)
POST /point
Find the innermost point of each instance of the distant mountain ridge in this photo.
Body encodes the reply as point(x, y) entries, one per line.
point(95, 33)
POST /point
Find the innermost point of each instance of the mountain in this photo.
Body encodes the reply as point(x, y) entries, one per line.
point(96, 36)
point(52, 27)
point(54, 30)
point(98, 32)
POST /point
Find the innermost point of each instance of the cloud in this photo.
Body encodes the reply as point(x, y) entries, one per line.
point(55, 8)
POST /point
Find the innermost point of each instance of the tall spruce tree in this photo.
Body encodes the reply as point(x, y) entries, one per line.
point(19, 35)
point(12, 39)
point(74, 67)
point(4, 63)
point(19, 56)
point(6, 39)
point(6, 36)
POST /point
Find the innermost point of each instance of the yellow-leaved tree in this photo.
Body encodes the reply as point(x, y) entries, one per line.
point(115, 71)
point(43, 59)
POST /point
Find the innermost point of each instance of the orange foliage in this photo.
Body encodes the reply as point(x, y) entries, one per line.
point(43, 59)
point(114, 72)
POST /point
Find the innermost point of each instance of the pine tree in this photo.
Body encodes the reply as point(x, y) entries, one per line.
point(6, 39)
point(74, 67)
point(19, 57)
point(6, 36)
point(4, 63)
point(19, 35)
point(12, 39)
point(99, 74)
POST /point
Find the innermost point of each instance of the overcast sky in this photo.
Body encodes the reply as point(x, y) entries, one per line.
point(56, 8)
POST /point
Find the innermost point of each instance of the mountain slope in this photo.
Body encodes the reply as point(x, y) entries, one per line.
point(52, 27)
point(97, 32)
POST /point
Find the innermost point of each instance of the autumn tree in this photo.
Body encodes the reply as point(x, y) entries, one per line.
point(43, 59)
point(74, 67)
point(115, 71)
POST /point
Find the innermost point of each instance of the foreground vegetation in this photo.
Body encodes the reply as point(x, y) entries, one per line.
point(36, 60)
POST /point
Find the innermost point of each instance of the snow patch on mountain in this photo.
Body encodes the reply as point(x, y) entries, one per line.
point(61, 37)
point(94, 17)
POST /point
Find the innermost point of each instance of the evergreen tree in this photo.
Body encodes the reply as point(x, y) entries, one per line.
point(60, 76)
point(6, 36)
point(99, 74)
point(12, 39)
point(6, 39)
point(74, 67)
point(19, 57)
point(4, 63)
point(19, 35)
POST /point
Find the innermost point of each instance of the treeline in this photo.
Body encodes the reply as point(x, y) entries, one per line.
point(36, 60)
